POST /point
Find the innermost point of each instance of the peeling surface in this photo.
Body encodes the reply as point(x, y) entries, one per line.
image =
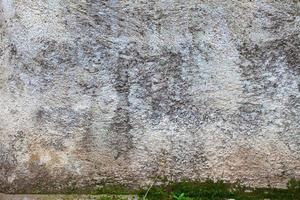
point(95, 92)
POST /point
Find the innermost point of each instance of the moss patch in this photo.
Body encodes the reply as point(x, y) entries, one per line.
point(113, 190)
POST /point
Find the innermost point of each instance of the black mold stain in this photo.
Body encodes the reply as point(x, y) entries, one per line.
point(55, 56)
point(13, 52)
point(65, 122)
point(170, 94)
point(263, 67)
point(120, 138)
point(8, 163)
point(280, 50)
point(8, 159)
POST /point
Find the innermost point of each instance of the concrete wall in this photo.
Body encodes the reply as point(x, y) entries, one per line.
point(113, 91)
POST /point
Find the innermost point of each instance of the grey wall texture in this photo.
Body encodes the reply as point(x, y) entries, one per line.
point(122, 91)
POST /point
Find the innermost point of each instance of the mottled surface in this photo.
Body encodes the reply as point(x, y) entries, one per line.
point(111, 91)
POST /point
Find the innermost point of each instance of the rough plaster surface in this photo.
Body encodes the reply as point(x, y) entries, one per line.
point(111, 91)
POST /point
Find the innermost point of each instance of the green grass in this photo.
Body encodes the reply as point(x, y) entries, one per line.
point(195, 190)
point(210, 190)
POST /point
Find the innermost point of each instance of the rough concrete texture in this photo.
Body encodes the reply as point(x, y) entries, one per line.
point(111, 91)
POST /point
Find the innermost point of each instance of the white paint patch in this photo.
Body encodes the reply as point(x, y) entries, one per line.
point(8, 8)
point(45, 158)
point(11, 178)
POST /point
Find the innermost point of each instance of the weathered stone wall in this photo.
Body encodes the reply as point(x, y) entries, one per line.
point(111, 91)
